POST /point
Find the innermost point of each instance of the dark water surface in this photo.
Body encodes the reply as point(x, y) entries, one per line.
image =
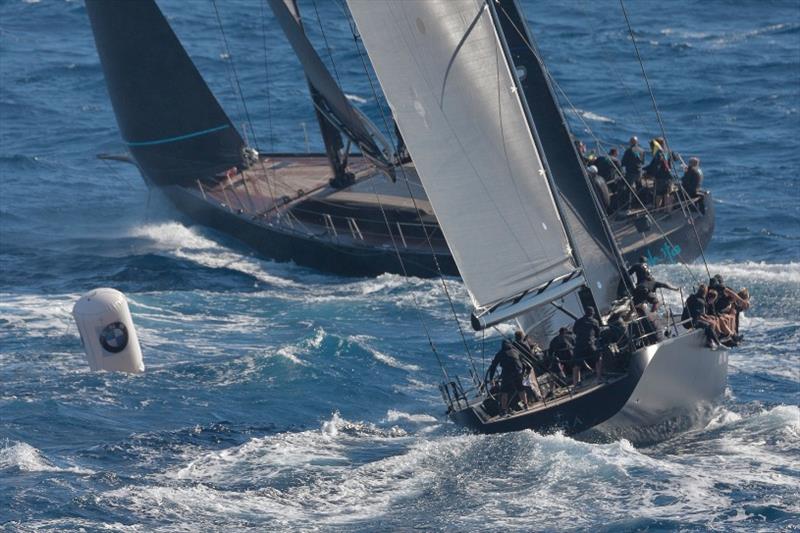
point(280, 397)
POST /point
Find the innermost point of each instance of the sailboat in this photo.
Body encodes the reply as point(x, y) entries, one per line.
point(523, 222)
point(341, 212)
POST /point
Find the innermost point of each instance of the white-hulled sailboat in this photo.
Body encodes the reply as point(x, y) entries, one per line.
point(497, 161)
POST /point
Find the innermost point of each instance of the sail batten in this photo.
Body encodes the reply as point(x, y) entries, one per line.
point(443, 70)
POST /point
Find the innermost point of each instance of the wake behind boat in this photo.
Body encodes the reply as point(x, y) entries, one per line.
point(348, 213)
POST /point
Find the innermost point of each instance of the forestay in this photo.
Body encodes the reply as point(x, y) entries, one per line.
point(444, 73)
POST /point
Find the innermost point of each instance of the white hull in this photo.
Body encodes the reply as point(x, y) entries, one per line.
point(680, 381)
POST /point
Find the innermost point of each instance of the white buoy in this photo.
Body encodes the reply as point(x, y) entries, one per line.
point(107, 332)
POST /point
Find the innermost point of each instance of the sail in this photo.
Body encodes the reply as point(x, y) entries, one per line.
point(586, 224)
point(353, 123)
point(443, 70)
point(331, 136)
point(173, 126)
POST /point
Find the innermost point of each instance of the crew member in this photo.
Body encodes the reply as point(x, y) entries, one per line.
point(510, 376)
point(614, 337)
point(641, 270)
point(632, 162)
point(587, 330)
point(608, 166)
point(525, 346)
point(646, 285)
point(652, 326)
point(562, 347)
point(659, 169)
point(698, 312)
point(692, 179)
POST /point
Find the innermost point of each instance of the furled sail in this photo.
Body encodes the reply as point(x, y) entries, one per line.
point(337, 109)
point(587, 227)
point(172, 124)
point(443, 70)
point(331, 136)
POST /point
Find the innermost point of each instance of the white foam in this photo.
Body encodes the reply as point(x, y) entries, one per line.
point(346, 473)
point(740, 273)
point(23, 456)
point(46, 315)
point(396, 416)
point(588, 115)
point(355, 98)
point(364, 341)
point(186, 243)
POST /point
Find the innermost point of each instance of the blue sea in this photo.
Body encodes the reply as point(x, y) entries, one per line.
point(280, 398)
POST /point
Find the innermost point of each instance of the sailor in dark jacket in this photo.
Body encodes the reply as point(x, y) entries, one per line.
point(562, 347)
point(693, 177)
point(698, 311)
point(587, 331)
point(652, 326)
point(526, 348)
point(633, 161)
point(646, 284)
point(608, 166)
point(511, 372)
point(641, 270)
point(660, 169)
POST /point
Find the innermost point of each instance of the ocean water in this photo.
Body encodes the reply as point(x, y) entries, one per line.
point(277, 397)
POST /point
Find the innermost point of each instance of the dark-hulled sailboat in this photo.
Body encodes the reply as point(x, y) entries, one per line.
point(337, 211)
point(521, 217)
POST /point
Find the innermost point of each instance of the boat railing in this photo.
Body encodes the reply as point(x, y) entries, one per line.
point(368, 229)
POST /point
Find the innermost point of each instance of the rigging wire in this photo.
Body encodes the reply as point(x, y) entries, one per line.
point(619, 260)
point(238, 90)
point(233, 67)
point(596, 139)
point(271, 134)
point(620, 79)
point(416, 208)
point(660, 121)
point(417, 306)
point(327, 45)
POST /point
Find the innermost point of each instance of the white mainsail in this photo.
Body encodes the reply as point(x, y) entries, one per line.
point(442, 68)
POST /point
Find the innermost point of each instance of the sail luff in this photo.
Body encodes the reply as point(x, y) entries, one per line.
point(587, 223)
point(442, 68)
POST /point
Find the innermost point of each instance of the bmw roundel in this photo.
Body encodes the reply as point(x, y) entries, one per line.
point(114, 337)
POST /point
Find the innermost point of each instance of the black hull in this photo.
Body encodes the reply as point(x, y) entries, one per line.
point(682, 243)
point(670, 387)
point(571, 417)
point(281, 243)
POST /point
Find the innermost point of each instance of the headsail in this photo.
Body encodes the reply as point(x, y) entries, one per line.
point(337, 109)
point(174, 127)
point(443, 69)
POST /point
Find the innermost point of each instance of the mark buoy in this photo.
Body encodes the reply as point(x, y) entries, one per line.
point(107, 332)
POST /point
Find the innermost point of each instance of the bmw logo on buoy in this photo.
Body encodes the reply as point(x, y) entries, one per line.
point(114, 337)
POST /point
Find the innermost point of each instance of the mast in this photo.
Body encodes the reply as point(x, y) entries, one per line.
point(332, 102)
point(331, 137)
point(587, 221)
